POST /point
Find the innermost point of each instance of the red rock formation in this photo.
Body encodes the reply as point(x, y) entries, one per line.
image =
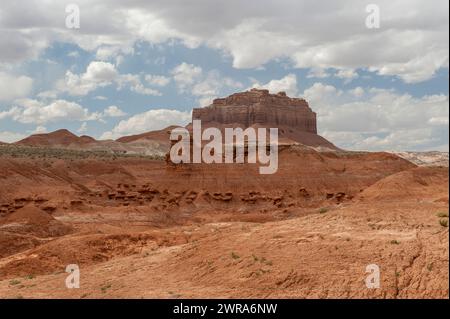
point(258, 108)
point(57, 138)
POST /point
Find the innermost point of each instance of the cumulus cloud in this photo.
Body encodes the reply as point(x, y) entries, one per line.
point(148, 121)
point(39, 129)
point(12, 87)
point(412, 42)
point(206, 86)
point(100, 74)
point(347, 74)
point(83, 128)
point(379, 119)
point(11, 137)
point(157, 80)
point(29, 111)
point(185, 75)
point(212, 85)
point(113, 111)
point(133, 81)
point(318, 73)
point(287, 84)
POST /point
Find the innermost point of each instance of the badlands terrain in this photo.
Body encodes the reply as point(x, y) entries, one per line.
point(140, 228)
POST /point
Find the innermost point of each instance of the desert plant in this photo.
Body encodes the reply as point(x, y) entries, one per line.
point(442, 214)
point(443, 222)
point(234, 255)
point(323, 210)
point(395, 242)
point(104, 288)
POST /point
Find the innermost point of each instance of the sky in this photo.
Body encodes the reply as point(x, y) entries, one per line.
point(133, 66)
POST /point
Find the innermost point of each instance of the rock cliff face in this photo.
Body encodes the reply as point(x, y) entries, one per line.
point(293, 117)
point(259, 107)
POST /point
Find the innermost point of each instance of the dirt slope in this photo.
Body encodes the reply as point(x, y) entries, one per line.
point(139, 228)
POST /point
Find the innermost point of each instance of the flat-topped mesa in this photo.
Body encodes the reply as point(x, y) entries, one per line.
point(259, 107)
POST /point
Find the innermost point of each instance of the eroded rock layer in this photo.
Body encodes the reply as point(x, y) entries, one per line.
point(259, 107)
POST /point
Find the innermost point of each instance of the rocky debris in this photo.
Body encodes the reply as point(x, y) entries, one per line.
point(339, 197)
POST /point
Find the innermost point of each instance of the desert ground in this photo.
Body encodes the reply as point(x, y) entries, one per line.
point(139, 228)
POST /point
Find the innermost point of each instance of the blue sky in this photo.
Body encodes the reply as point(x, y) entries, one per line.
point(107, 81)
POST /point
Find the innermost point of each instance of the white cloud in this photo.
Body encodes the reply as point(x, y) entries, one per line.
point(29, 111)
point(205, 85)
point(12, 87)
point(357, 91)
point(39, 129)
point(185, 75)
point(318, 73)
point(320, 92)
point(101, 74)
point(380, 119)
point(83, 128)
point(214, 83)
point(113, 111)
point(157, 80)
point(287, 84)
point(50, 94)
point(412, 42)
point(347, 74)
point(73, 54)
point(442, 120)
point(148, 121)
point(98, 74)
point(11, 137)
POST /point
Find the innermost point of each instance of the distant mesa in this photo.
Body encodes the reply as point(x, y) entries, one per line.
point(61, 137)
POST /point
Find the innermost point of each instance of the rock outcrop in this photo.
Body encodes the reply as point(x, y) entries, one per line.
point(258, 108)
point(261, 108)
point(61, 137)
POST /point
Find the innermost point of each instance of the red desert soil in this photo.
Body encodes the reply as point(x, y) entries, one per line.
point(139, 228)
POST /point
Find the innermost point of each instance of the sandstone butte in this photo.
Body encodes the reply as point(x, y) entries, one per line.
point(258, 108)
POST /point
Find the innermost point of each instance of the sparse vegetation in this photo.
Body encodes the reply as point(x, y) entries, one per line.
point(323, 210)
point(29, 277)
point(443, 222)
point(234, 255)
point(395, 242)
point(14, 282)
point(45, 153)
point(106, 287)
point(442, 214)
